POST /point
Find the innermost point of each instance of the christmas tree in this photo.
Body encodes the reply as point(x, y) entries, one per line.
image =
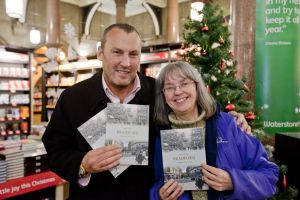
point(207, 47)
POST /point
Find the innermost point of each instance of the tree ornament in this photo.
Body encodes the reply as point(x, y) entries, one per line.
point(229, 106)
point(203, 52)
point(284, 183)
point(221, 40)
point(204, 28)
point(231, 54)
point(222, 65)
point(215, 45)
point(250, 116)
point(213, 78)
point(208, 88)
point(197, 53)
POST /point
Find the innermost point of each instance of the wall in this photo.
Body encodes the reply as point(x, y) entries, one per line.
point(17, 34)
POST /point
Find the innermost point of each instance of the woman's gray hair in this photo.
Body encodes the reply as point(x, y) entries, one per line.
point(204, 100)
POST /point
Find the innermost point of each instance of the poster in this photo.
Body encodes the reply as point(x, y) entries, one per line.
point(277, 71)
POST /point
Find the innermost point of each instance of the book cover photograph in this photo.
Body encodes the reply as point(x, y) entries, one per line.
point(183, 152)
point(128, 126)
point(94, 131)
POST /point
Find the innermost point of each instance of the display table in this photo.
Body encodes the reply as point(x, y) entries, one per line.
point(33, 183)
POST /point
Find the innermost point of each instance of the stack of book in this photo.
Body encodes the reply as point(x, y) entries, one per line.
point(14, 162)
point(3, 171)
point(35, 163)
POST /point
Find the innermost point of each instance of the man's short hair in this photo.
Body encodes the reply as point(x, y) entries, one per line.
point(125, 27)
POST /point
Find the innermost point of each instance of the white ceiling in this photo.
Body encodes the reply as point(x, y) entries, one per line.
point(133, 7)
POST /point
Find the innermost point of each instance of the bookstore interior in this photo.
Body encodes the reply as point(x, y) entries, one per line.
point(34, 72)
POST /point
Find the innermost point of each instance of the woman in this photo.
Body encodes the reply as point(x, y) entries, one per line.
point(237, 164)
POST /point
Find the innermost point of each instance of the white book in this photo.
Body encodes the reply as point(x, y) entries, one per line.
point(94, 131)
point(128, 126)
point(183, 152)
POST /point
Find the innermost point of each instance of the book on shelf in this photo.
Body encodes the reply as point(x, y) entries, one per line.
point(183, 152)
point(128, 126)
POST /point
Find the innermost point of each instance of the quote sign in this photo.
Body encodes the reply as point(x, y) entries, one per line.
point(277, 71)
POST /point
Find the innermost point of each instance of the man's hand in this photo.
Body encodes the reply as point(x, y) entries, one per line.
point(171, 190)
point(217, 178)
point(102, 159)
point(241, 121)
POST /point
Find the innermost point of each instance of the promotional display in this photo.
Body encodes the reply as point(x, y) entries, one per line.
point(277, 75)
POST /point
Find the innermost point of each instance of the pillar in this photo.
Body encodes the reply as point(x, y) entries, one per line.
point(53, 23)
point(243, 29)
point(120, 11)
point(172, 21)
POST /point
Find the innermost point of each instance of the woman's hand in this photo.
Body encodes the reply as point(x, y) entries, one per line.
point(216, 178)
point(171, 190)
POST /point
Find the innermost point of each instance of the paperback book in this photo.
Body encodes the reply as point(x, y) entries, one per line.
point(128, 126)
point(94, 131)
point(183, 152)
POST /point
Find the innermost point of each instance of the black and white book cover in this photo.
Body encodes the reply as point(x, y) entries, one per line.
point(128, 126)
point(94, 131)
point(183, 152)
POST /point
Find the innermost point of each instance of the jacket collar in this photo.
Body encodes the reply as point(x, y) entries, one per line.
point(99, 99)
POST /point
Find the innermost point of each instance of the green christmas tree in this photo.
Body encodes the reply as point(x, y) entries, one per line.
point(209, 51)
point(207, 47)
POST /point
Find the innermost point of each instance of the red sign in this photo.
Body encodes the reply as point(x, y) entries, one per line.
point(154, 56)
point(29, 184)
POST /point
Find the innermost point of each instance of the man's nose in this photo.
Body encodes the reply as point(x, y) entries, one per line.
point(125, 60)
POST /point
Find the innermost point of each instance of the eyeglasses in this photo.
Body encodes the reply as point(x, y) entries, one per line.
point(170, 89)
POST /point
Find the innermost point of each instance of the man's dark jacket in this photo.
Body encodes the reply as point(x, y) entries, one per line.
point(66, 147)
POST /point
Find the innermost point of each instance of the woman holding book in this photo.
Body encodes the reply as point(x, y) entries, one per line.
point(237, 166)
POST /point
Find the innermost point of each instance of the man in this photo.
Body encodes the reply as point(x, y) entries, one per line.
point(69, 154)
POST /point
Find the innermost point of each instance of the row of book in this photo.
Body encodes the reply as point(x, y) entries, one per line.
point(21, 158)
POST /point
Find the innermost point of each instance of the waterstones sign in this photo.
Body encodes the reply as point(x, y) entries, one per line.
point(277, 84)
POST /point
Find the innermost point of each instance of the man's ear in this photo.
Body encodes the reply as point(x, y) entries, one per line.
point(100, 53)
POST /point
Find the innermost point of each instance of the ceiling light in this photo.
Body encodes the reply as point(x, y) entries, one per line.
point(35, 36)
point(14, 8)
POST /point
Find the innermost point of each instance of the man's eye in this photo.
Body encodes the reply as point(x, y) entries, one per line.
point(134, 54)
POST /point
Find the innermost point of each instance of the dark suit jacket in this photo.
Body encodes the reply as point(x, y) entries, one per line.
point(66, 147)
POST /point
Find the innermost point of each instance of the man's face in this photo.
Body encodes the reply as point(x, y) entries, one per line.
point(120, 58)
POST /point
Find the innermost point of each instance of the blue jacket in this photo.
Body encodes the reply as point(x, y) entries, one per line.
point(241, 155)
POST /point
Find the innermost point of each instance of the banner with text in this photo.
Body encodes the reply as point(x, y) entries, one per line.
point(277, 81)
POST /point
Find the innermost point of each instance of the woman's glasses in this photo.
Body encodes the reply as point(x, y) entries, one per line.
point(170, 89)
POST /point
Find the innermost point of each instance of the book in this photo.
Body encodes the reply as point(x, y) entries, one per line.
point(128, 126)
point(94, 132)
point(183, 152)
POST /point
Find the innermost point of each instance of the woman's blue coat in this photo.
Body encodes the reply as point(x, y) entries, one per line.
point(241, 155)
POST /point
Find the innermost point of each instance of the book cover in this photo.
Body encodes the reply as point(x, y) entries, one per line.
point(94, 132)
point(183, 152)
point(128, 126)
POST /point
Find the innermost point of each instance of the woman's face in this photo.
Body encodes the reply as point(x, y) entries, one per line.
point(180, 94)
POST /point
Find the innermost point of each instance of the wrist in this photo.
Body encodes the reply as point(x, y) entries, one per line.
point(82, 171)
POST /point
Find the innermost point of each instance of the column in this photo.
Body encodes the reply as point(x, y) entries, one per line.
point(53, 22)
point(243, 29)
point(172, 21)
point(120, 11)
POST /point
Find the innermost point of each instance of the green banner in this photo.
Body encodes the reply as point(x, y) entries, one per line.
point(277, 72)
